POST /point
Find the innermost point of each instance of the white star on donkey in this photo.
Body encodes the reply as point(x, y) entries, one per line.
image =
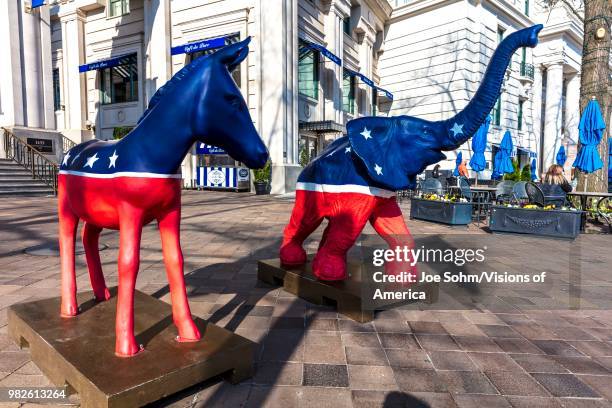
point(347, 149)
point(66, 157)
point(113, 159)
point(378, 169)
point(366, 133)
point(457, 129)
point(91, 160)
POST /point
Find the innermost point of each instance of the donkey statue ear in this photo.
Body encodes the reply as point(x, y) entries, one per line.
point(375, 142)
point(232, 55)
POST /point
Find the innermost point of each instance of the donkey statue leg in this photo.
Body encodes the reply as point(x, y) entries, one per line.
point(169, 228)
point(91, 236)
point(306, 216)
point(130, 232)
point(68, 223)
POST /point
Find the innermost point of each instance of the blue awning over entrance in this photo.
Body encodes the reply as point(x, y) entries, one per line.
point(369, 82)
point(202, 45)
point(107, 63)
point(324, 51)
point(38, 3)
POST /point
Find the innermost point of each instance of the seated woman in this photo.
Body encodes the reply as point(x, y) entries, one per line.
point(555, 186)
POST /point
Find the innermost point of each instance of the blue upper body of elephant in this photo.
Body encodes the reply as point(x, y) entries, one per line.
point(380, 155)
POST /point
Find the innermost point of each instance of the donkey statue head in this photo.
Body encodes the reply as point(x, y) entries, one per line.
point(209, 106)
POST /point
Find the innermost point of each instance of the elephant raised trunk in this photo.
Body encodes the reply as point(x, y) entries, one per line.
point(458, 129)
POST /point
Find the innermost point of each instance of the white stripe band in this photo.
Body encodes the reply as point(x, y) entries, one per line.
point(121, 174)
point(345, 188)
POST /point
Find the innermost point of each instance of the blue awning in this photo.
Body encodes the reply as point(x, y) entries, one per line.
point(388, 94)
point(38, 3)
point(369, 82)
point(327, 53)
point(201, 45)
point(108, 63)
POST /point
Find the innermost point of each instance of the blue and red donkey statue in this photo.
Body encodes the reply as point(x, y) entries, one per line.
point(126, 184)
point(355, 178)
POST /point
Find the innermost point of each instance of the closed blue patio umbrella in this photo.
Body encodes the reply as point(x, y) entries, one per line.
point(561, 156)
point(503, 163)
point(479, 144)
point(609, 159)
point(458, 161)
point(591, 129)
point(534, 174)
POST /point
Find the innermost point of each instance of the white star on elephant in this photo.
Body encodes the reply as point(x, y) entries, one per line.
point(457, 129)
point(91, 160)
point(113, 159)
point(347, 149)
point(66, 157)
point(378, 169)
point(366, 133)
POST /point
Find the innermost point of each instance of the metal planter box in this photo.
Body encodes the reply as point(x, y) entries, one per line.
point(441, 211)
point(552, 223)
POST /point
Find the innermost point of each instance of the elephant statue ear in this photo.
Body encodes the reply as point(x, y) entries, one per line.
point(376, 143)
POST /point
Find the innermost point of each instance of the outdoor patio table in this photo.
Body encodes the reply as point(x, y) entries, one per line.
point(584, 196)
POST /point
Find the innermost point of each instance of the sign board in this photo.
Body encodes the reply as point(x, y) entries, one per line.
point(42, 145)
point(198, 46)
point(223, 177)
point(202, 148)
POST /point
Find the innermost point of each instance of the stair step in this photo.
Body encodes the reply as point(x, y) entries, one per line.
point(11, 193)
point(20, 183)
point(11, 166)
point(17, 189)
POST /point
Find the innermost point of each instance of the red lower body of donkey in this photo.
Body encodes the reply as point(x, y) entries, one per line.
point(126, 204)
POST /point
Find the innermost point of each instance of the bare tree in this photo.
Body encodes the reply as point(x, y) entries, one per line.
point(596, 81)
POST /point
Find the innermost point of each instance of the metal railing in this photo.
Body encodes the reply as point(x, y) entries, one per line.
point(67, 144)
point(527, 70)
point(27, 156)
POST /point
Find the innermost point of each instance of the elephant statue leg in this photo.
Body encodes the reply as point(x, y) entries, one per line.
point(306, 217)
point(91, 235)
point(348, 215)
point(388, 221)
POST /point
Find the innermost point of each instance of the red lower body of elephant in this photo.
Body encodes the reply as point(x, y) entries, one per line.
point(126, 204)
point(347, 214)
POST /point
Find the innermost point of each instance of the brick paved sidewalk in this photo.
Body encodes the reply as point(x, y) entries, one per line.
point(309, 356)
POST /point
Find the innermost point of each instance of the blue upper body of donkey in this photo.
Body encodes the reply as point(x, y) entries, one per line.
point(201, 103)
point(386, 154)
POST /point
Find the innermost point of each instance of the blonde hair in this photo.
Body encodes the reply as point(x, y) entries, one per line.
point(554, 175)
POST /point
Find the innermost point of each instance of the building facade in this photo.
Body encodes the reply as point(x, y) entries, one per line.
point(87, 68)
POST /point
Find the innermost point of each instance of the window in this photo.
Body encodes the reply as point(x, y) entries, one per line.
point(520, 115)
point(527, 7)
point(120, 84)
point(57, 100)
point(118, 7)
point(497, 112)
point(374, 101)
point(230, 39)
point(348, 93)
point(500, 34)
point(346, 25)
point(308, 72)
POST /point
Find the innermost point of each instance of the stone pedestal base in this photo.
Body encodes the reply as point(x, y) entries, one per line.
point(347, 295)
point(79, 352)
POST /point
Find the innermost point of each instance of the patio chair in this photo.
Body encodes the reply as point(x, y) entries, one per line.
point(554, 194)
point(481, 199)
point(519, 194)
point(534, 194)
point(431, 186)
point(503, 192)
